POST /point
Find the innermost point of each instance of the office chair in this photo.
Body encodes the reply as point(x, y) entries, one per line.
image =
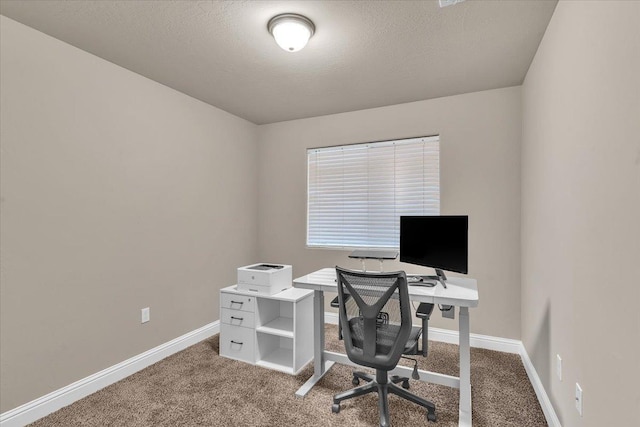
point(376, 326)
point(423, 312)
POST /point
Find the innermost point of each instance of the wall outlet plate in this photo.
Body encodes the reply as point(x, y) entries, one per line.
point(559, 366)
point(579, 398)
point(145, 314)
point(448, 311)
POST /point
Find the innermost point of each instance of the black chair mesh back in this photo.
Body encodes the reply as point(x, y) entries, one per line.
point(376, 317)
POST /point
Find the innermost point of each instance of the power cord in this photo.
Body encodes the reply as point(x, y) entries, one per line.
point(415, 375)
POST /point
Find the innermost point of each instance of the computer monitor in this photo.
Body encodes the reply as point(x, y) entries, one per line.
point(440, 242)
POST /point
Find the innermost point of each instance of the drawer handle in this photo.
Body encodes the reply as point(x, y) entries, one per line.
point(237, 302)
point(237, 318)
point(236, 342)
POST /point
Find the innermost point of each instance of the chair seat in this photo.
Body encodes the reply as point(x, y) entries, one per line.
point(386, 335)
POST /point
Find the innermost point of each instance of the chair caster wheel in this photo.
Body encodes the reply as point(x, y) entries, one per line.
point(335, 408)
point(405, 385)
point(431, 416)
point(355, 381)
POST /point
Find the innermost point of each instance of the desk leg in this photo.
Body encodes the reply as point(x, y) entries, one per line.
point(318, 333)
point(320, 366)
point(465, 369)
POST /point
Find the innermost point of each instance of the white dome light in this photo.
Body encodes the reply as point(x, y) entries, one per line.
point(291, 31)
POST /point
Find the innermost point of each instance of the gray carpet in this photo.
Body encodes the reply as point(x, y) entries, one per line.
point(197, 387)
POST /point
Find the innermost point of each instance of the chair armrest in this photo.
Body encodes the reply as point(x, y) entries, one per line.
point(423, 312)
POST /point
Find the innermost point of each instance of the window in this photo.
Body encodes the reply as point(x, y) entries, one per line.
point(356, 193)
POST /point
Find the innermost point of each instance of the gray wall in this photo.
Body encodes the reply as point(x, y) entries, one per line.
point(581, 211)
point(480, 176)
point(117, 193)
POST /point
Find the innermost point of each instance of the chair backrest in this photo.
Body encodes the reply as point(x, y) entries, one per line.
point(376, 319)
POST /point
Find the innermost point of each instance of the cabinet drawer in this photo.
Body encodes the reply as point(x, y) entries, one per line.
point(237, 342)
point(237, 318)
point(237, 302)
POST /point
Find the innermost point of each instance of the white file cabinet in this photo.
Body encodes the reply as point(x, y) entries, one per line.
point(274, 331)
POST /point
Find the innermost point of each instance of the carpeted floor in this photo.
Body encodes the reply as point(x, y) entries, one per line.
point(197, 387)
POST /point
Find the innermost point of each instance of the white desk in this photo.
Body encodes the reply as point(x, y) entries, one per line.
point(460, 292)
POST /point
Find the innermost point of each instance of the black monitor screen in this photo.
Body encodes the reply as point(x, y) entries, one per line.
point(435, 241)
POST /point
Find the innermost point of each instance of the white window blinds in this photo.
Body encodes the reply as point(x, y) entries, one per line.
point(356, 193)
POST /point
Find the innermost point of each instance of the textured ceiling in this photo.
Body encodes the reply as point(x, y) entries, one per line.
point(364, 54)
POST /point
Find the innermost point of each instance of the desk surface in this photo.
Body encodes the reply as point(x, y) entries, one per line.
point(289, 294)
point(461, 291)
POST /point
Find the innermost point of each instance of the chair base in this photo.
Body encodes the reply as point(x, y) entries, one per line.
point(358, 375)
point(383, 385)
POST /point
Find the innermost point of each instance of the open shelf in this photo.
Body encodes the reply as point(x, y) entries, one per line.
point(280, 359)
point(280, 326)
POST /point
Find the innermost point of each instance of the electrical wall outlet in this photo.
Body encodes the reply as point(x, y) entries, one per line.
point(559, 366)
point(579, 398)
point(145, 314)
point(448, 311)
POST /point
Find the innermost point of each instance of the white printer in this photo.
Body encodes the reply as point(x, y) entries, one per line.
point(264, 278)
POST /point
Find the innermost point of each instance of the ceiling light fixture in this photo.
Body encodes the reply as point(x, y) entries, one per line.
point(445, 3)
point(291, 31)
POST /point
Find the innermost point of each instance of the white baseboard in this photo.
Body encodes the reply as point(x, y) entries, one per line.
point(38, 408)
point(505, 345)
point(541, 393)
point(331, 318)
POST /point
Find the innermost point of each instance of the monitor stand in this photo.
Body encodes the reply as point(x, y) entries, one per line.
point(440, 277)
point(364, 254)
